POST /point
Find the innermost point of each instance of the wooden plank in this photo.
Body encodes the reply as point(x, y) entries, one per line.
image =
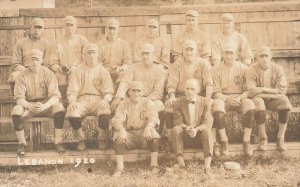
point(233, 7)
point(5, 13)
point(87, 12)
point(92, 156)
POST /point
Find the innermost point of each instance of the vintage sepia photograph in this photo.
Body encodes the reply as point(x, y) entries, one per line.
point(149, 93)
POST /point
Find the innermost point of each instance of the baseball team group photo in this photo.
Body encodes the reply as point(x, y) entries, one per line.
point(209, 84)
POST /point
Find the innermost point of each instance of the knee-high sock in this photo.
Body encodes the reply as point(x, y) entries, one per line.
point(80, 134)
point(120, 162)
point(214, 135)
point(154, 158)
point(21, 136)
point(223, 135)
point(281, 131)
point(247, 134)
point(207, 162)
point(262, 130)
point(58, 136)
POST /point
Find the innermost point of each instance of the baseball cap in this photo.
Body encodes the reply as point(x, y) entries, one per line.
point(137, 85)
point(36, 53)
point(38, 22)
point(113, 23)
point(264, 50)
point(152, 22)
point(147, 48)
point(70, 19)
point(229, 46)
point(189, 44)
point(227, 17)
point(91, 47)
point(192, 13)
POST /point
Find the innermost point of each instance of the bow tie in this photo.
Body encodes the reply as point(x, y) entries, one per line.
point(191, 102)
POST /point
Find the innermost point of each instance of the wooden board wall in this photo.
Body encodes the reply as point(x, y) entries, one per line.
point(276, 24)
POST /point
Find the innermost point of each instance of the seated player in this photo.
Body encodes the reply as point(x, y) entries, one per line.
point(192, 124)
point(89, 93)
point(134, 126)
point(36, 94)
point(267, 86)
point(230, 95)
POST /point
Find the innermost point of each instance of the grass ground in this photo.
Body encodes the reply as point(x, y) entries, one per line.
point(257, 172)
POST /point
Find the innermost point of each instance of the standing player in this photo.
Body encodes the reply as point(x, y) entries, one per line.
point(21, 54)
point(151, 75)
point(228, 34)
point(115, 53)
point(192, 32)
point(161, 51)
point(36, 94)
point(267, 86)
point(230, 95)
point(89, 93)
point(67, 54)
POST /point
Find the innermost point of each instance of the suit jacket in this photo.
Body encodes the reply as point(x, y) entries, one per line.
point(203, 115)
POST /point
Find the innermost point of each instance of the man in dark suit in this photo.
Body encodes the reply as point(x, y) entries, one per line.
point(192, 123)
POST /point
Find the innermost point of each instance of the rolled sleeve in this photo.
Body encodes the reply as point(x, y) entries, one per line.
point(250, 79)
point(173, 79)
point(20, 88)
point(159, 87)
point(74, 85)
point(207, 113)
point(216, 81)
point(216, 50)
point(119, 118)
point(152, 113)
point(125, 82)
point(246, 53)
point(178, 116)
point(53, 90)
point(17, 58)
point(281, 83)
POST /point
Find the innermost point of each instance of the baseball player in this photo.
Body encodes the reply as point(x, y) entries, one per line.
point(89, 93)
point(23, 47)
point(134, 126)
point(67, 54)
point(192, 124)
point(267, 86)
point(192, 32)
point(161, 51)
point(150, 74)
point(189, 67)
point(115, 53)
point(36, 94)
point(228, 34)
point(230, 95)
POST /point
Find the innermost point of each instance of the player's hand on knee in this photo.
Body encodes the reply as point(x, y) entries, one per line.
point(31, 107)
point(115, 103)
point(169, 103)
point(231, 101)
point(254, 91)
point(121, 137)
point(39, 107)
point(104, 103)
point(72, 106)
point(147, 134)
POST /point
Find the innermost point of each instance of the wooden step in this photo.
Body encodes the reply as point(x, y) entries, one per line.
point(92, 156)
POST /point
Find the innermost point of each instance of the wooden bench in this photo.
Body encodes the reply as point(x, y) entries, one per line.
point(41, 130)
